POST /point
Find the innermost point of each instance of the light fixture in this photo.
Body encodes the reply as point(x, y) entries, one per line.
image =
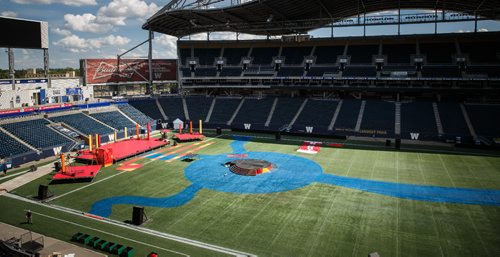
point(270, 18)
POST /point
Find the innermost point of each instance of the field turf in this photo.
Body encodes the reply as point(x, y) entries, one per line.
point(315, 220)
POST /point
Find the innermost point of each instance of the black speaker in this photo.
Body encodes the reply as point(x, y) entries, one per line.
point(219, 131)
point(43, 192)
point(278, 136)
point(57, 166)
point(398, 143)
point(138, 215)
point(387, 142)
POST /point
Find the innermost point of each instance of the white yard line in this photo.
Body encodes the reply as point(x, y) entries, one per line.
point(446, 169)
point(140, 229)
point(108, 233)
point(80, 188)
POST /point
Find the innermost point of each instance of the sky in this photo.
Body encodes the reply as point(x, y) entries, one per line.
point(80, 29)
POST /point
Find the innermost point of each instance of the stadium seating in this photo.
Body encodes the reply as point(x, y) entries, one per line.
point(418, 117)
point(452, 119)
point(348, 115)
point(184, 54)
point(36, 133)
point(205, 72)
point(135, 114)
point(317, 114)
point(360, 71)
point(362, 54)
point(198, 107)
point(114, 119)
point(484, 71)
point(328, 54)
point(148, 107)
point(83, 123)
point(254, 111)
point(223, 110)
point(438, 52)
point(173, 108)
point(264, 55)
point(259, 71)
point(295, 55)
point(379, 116)
point(186, 72)
point(321, 71)
point(441, 72)
point(233, 55)
point(480, 52)
point(10, 146)
point(485, 119)
point(398, 53)
point(230, 72)
point(207, 56)
point(284, 112)
point(290, 72)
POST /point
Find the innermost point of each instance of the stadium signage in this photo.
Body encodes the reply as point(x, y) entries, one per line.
point(30, 81)
point(101, 71)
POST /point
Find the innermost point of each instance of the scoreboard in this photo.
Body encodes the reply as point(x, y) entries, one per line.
point(19, 33)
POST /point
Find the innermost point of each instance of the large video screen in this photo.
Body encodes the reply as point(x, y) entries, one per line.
point(18, 33)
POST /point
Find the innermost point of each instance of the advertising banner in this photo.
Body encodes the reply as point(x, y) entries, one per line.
point(102, 71)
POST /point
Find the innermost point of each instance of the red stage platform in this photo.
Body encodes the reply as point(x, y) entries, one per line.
point(189, 137)
point(77, 174)
point(124, 149)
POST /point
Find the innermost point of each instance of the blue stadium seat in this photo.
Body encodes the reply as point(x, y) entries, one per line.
point(135, 114)
point(36, 133)
point(284, 112)
point(418, 117)
point(148, 107)
point(452, 119)
point(484, 119)
point(10, 146)
point(223, 110)
point(254, 111)
point(379, 116)
point(317, 114)
point(114, 119)
point(198, 107)
point(83, 124)
point(172, 106)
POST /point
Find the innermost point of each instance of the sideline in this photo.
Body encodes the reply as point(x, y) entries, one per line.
point(179, 239)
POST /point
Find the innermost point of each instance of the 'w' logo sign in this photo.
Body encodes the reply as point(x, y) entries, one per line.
point(414, 136)
point(57, 150)
point(247, 126)
point(309, 129)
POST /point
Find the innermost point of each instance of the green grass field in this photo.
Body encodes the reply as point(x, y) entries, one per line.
point(315, 220)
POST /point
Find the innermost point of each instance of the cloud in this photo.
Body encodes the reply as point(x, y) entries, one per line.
point(76, 44)
point(483, 30)
point(61, 32)
point(86, 23)
point(64, 2)
point(10, 14)
point(169, 45)
point(117, 11)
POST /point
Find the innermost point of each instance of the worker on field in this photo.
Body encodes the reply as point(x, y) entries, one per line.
point(29, 217)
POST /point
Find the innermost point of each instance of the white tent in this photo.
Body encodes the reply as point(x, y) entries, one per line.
point(178, 123)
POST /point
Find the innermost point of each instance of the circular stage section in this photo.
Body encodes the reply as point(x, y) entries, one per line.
point(290, 172)
point(250, 167)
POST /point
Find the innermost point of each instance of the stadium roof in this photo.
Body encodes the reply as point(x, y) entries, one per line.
point(281, 17)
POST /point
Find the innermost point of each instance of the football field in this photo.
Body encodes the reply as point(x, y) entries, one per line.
point(337, 202)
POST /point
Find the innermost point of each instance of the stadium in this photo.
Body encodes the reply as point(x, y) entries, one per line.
point(274, 142)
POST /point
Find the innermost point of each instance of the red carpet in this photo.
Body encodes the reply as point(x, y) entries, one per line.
point(126, 148)
point(189, 137)
point(78, 173)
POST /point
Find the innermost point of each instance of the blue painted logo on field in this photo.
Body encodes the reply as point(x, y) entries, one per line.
point(291, 172)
